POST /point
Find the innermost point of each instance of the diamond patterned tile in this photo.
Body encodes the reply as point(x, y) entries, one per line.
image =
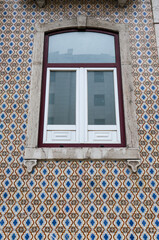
point(77, 199)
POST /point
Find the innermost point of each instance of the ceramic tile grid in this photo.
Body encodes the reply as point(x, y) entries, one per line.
point(76, 200)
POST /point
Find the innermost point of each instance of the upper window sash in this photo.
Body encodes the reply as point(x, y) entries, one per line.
point(81, 47)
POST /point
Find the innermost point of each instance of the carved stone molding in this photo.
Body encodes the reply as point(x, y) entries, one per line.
point(81, 22)
point(42, 3)
point(30, 164)
point(122, 2)
point(134, 164)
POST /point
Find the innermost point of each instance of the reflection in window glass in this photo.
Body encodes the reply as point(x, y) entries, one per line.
point(81, 47)
point(98, 76)
point(99, 121)
point(62, 97)
point(101, 100)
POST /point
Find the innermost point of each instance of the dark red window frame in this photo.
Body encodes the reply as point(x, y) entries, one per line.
point(116, 65)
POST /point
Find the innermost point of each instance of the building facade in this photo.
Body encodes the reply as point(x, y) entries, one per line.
point(61, 192)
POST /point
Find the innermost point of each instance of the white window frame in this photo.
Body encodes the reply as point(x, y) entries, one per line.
point(131, 151)
point(81, 132)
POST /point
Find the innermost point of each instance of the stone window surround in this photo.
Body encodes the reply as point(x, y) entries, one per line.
point(131, 151)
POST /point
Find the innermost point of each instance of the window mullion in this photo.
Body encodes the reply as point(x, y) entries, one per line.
point(78, 92)
point(82, 108)
point(85, 105)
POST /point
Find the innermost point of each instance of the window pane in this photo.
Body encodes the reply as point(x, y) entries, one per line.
point(101, 101)
point(62, 98)
point(81, 47)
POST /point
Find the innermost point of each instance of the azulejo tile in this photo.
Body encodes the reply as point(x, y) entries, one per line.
point(75, 200)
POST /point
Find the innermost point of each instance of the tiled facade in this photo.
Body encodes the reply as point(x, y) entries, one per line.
point(76, 199)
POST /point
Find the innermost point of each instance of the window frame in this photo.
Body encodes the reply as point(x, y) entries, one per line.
point(81, 113)
point(92, 66)
point(131, 151)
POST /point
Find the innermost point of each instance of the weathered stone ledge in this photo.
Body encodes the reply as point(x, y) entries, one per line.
point(42, 3)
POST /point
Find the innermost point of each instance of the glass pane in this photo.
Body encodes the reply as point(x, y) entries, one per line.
point(62, 98)
point(101, 101)
point(81, 47)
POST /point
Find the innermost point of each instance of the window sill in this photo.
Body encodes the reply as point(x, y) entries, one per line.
point(82, 153)
point(42, 3)
point(130, 154)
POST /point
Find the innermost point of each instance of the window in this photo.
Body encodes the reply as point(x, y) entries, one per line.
point(82, 94)
point(95, 75)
